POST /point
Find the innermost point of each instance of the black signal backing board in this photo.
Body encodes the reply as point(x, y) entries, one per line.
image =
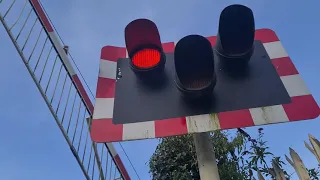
point(259, 86)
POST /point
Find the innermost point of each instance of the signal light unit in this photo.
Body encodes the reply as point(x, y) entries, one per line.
point(235, 37)
point(193, 55)
point(144, 46)
point(194, 65)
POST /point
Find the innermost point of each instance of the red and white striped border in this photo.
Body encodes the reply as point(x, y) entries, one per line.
point(75, 79)
point(303, 105)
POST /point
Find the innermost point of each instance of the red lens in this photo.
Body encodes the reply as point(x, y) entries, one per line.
point(146, 58)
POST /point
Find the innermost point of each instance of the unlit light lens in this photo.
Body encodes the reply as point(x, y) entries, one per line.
point(195, 83)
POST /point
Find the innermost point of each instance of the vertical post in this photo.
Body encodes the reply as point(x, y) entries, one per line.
point(297, 164)
point(207, 164)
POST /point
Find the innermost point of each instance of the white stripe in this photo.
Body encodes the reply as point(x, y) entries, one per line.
point(127, 55)
point(62, 53)
point(107, 69)
point(103, 108)
point(203, 123)
point(112, 150)
point(141, 130)
point(268, 115)
point(275, 50)
point(295, 85)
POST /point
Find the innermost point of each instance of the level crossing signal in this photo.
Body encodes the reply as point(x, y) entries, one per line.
point(240, 77)
point(196, 78)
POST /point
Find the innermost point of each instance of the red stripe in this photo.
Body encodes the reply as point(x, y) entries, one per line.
point(212, 40)
point(284, 66)
point(170, 127)
point(266, 35)
point(168, 47)
point(121, 167)
point(103, 130)
point(105, 88)
point(235, 119)
point(83, 92)
point(42, 15)
point(113, 53)
point(301, 108)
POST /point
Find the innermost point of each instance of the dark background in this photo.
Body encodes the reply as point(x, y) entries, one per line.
point(137, 102)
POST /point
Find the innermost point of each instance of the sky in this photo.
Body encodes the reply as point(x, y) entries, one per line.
point(32, 146)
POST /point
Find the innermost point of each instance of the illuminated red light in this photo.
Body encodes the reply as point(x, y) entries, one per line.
point(146, 58)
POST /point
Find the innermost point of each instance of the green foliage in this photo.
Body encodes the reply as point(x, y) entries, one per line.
point(226, 155)
point(238, 157)
point(314, 173)
point(258, 153)
point(175, 158)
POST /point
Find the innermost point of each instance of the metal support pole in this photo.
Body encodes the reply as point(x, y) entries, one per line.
point(207, 164)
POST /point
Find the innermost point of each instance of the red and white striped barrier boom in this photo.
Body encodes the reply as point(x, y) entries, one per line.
point(49, 65)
